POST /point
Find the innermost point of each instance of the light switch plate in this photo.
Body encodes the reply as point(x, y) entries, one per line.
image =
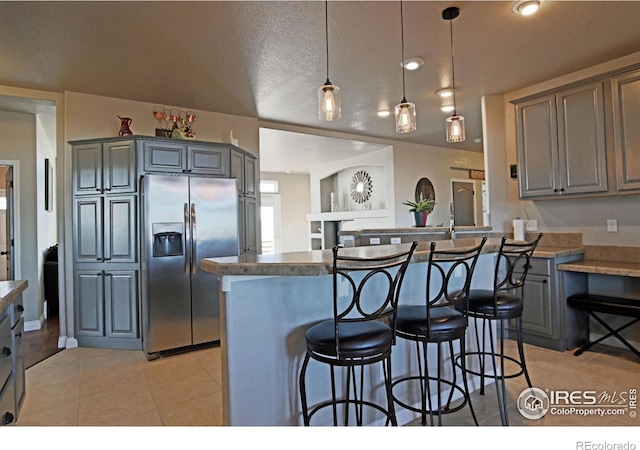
point(374, 241)
point(396, 240)
point(612, 225)
point(532, 225)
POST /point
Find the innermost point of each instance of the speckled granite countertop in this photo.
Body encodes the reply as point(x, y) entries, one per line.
point(626, 269)
point(9, 291)
point(319, 262)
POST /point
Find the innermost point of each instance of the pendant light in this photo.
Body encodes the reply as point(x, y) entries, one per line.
point(329, 108)
point(455, 123)
point(405, 111)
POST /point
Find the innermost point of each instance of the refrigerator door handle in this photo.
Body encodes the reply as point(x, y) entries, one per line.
point(194, 240)
point(187, 240)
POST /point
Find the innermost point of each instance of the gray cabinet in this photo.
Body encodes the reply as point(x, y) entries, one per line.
point(12, 372)
point(244, 169)
point(107, 304)
point(626, 117)
point(167, 157)
point(104, 229)
point(546, 319)
point(561, 142)
point(104, 167)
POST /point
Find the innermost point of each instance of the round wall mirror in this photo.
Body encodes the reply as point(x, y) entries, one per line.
point(361, 186)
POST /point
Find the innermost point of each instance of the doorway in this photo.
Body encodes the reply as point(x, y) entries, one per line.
point(270, 216)
point(7, 226)
point(463, 196)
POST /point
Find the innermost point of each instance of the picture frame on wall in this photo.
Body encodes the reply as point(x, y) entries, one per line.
point(48, 185)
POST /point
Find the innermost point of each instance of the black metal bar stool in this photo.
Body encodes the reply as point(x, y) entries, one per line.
point(502, 303)
point(365, 292)
point(436, 321)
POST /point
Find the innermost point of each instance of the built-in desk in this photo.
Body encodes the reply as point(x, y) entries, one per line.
point(606, 278)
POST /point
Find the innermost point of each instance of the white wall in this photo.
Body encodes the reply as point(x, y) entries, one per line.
point(295, 203)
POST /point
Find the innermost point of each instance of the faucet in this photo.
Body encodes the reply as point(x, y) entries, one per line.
point(452, 226)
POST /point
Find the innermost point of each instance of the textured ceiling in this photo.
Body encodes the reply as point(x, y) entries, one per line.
point(266, 59)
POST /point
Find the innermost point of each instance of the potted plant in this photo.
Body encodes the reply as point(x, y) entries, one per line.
point(421, 209)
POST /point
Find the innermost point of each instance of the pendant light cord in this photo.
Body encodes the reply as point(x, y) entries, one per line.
point(453, 68)
point(404, 98)
point(326, 32)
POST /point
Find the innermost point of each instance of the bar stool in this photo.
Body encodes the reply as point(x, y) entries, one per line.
point(435, 321)
point(502, 303)
point(357, 336)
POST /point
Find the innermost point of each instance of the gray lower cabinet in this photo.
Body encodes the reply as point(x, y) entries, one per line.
point(107, 307)
point(12, 371)
point(626, 116)
point(561, 142)
point(547, 321)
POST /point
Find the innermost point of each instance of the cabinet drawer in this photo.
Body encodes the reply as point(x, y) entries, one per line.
point(5, 348)
point(15, 310)
point(539, 266)
point(7, 403)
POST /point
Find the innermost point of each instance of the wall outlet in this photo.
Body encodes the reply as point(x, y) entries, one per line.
point(374, 241)
point(612, 225)
point(532, 225)
point(396, 240)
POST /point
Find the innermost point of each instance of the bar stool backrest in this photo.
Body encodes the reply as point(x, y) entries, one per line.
point(372, 287)
point(449, 275)
point(513, 264)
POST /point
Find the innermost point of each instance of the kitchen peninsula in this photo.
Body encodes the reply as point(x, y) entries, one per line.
point(268, 302)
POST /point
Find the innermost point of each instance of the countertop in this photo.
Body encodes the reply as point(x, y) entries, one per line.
point(9, 291)
point(627, 269)
point(319, 262)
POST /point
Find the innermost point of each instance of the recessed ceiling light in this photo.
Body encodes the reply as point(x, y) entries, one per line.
point(447, 108)
point(527, 7)
point(444, 93)
point(384, 113)
point(412, 63)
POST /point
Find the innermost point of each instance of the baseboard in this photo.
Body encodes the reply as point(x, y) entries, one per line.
point(70, 342)
point(34, 325)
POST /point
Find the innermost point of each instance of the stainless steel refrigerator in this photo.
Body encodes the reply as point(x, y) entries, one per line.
point(184, 219)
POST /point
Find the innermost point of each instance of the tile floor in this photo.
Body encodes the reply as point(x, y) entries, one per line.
point(96, 387)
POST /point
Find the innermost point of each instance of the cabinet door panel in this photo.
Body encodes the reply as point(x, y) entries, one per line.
point(536, 316)
point(250, 222)
point(237, 170)
point(209, 160)
point(120, 229)
point(626, 114)
point(120, 166)
point(164, 157)
point(250, 176)
point(87, 169)
point(87, 229)
point(121, 305)
point(537, 147)
point(89, 291)
point(581, 135)
point(17, 356)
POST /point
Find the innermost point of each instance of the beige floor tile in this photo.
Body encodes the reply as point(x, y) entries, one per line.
point(205, 410)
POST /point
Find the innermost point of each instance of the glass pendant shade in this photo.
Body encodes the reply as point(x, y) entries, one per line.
point(405, 117)
point(329, 102)
point(455, 128)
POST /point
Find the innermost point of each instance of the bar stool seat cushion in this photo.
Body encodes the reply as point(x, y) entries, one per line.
point(446, 323)
point(506, 306)
point(357, 339)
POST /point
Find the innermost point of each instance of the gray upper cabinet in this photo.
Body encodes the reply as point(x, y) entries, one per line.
point(186, 158)
point(561, 143)
point(244, 170)
point(626, 117)
point(108, 167)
